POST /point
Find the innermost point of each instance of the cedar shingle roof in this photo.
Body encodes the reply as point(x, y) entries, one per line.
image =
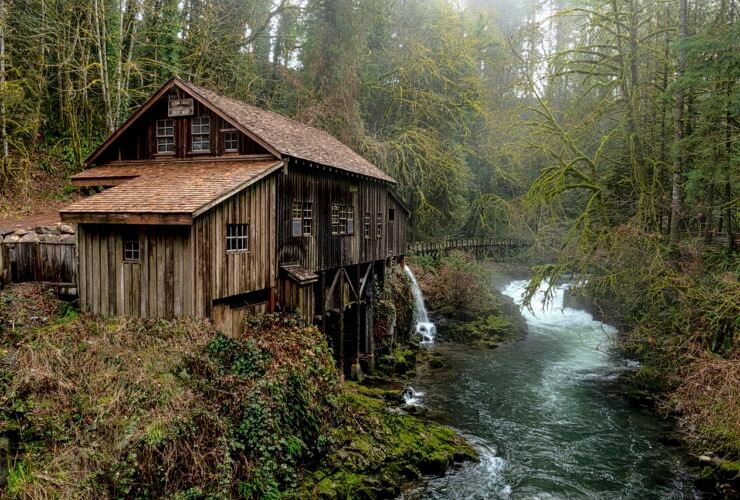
point(168, 187)
point(288, 136)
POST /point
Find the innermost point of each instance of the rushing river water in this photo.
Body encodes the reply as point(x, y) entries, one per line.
point(544, 420)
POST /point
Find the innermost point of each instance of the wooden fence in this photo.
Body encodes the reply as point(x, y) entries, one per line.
point(54, 263)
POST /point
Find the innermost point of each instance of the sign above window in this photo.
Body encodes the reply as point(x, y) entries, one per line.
point(180, 107)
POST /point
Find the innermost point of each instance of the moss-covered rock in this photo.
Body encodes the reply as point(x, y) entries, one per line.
point(379, 449)
point(487, 330)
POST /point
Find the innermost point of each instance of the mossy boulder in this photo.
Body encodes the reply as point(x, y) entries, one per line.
point(379, 449)
point(487, 330)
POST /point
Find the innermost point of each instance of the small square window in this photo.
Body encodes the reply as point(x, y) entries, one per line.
point(391, 214)
point(231, 141)
point(237, 237)
point(131, 248)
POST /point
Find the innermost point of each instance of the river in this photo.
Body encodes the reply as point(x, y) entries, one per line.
point(545, 419)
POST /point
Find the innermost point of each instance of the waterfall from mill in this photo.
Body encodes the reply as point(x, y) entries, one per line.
point(424, 327)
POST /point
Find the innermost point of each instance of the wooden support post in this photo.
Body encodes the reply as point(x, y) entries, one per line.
point(322, 298)
point(341, 323)
point(272, 300)
point(358, 312)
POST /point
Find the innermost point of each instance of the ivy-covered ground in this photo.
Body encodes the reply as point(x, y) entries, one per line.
point(102, 408)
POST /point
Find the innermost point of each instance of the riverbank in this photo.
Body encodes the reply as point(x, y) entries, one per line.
point(680, 314)
point(118, 407)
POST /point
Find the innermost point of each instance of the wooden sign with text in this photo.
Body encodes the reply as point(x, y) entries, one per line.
point(180, 107)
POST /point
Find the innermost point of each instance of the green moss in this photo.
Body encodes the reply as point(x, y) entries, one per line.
point(488, 330)
point(380, 449)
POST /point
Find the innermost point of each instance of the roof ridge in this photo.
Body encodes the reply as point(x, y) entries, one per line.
point(288, 135)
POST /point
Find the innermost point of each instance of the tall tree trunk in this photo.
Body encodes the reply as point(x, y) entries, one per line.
point(677, 191)
point(3, 118)
point(728, 152)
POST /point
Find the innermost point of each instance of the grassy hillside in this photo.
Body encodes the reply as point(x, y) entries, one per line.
point(119, 407)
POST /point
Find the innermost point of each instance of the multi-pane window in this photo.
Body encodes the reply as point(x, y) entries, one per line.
point(367, 225)
point(165, 136)
point(131, 248)
point(200, 132)
point(379, 225)
point(237, 237)
point(231, 141)
point(307, 218)
point(302, 216)
point(342, 219)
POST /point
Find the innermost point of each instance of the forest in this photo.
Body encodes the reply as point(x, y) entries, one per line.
point(609, 126)
point(498, 116)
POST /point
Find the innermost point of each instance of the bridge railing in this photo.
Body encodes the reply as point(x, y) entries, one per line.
point(428, 247)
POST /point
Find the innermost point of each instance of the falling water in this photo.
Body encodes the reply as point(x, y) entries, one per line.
point(424, 327)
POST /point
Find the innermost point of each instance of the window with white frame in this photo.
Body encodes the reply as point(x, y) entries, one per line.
point(131, 248)
point(367, 225)
point(379, 226)
point(302, 218)
point(342, 219)
point(237, 237)
point(231, 141)
point(200, 132)
point(165, 137)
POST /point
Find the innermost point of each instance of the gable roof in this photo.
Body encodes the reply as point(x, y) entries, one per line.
point(164, 192)
point(279, 134)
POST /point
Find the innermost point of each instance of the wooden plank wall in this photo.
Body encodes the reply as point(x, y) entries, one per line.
point(160, 285)
point(230, 320)
point(397, 229)
point(294, 297)
point(220, 274)
point(52, 262)
point(139, 142)
point(323, 250)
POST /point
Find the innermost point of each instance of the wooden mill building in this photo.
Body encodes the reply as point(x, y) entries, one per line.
point(215, 208)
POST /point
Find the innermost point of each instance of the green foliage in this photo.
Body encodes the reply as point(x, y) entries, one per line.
point(458, 285)
point(380, 450)
point(394, 305)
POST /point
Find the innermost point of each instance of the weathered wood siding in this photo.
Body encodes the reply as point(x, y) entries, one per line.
point(295, 297)
point(220, 274)
point(51, 262)
point(396, 228)
point(159, 285)
point(324, 250)
point(140, 142)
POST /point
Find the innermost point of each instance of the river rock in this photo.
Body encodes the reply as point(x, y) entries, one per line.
point(414, 410)
point(49, 238)
point(67, 238)
point(30, 238)
point(66, 229)
point(12, 238)
point(20, 232)
point(44, 230)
